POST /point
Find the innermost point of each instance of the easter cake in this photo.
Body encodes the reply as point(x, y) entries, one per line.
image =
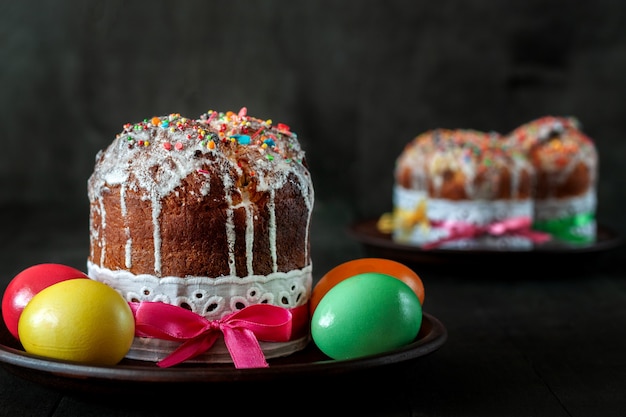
point(566, 164)
point(205, 218)
point(462, 188)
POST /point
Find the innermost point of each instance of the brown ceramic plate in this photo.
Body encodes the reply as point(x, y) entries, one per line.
point(381, 244)
point(309, 362)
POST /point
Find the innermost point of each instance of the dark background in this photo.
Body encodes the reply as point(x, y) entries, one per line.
point(355, 79)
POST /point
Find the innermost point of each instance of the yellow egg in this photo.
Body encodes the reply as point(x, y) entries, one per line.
point(79, 320)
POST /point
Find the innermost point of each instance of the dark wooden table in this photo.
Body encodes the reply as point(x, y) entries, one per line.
point(529, 339)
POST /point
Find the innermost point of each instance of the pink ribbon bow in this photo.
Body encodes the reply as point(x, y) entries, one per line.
point(241, 329)
point(519, 226)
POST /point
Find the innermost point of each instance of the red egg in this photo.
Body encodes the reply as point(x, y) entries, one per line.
point(29, 282)
point(359, 266)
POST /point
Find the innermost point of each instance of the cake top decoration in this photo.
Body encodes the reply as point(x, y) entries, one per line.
point(163, 150)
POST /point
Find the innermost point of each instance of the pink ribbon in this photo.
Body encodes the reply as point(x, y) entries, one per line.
point(518, 226)
point(242, 330)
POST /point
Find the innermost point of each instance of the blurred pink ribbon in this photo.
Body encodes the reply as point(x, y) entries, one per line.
point(242, 330)
point(517, 226)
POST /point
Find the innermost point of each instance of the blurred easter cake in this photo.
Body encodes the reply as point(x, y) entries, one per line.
point(453, 185)
point(468, 189)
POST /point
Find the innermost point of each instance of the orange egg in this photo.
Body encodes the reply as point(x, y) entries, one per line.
point(362, 265)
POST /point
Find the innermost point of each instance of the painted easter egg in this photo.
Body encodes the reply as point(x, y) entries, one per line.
point(366, 314)
point(361, 265)
point(78, 320)
point(29, 282)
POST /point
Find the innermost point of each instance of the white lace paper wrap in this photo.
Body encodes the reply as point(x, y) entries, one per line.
point(554, 208)
point(212, 298)
point(563, 208)
point(475, 212)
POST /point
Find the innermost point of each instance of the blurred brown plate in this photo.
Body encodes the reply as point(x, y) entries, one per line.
point(382, 245)
point(310, 362)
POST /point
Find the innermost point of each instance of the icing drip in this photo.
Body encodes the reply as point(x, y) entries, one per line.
point(156, 230)
point(102, 241)
point(272, 207)
point(129, 241)
point(308, 199)
point(249, 237)
point(230, 227)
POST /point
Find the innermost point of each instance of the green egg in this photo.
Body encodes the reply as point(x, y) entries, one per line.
point(365, 315)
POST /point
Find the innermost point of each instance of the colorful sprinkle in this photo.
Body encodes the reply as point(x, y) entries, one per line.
point(256, 138)
point(242, 139)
